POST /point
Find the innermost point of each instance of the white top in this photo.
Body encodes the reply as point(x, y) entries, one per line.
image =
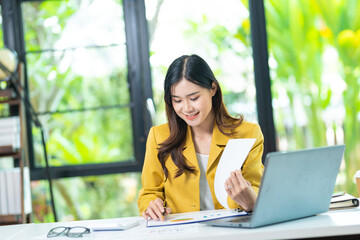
point(206, 201)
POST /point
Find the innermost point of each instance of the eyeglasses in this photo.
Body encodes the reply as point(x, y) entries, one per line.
point(74, 232)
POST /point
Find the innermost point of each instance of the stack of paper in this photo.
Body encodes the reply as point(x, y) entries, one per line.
point(9, 134)
point(10, 191)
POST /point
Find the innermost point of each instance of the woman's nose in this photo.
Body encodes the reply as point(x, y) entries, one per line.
point(187, 106)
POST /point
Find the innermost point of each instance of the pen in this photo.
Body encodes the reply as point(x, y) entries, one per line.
point(338, 194)
point(165, 205)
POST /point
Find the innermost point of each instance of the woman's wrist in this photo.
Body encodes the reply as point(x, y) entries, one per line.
point(248, 202)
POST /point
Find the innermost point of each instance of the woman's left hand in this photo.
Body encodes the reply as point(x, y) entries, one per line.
point(240, 190)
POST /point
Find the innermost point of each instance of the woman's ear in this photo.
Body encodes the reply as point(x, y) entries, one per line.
point(213, 89)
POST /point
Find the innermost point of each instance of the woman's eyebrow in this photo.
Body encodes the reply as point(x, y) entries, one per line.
point(191, 94)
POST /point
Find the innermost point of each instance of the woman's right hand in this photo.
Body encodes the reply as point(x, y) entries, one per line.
point(156, 210)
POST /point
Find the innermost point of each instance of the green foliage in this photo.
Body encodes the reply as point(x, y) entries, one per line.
point(299, 34)
point(297, 46)
point(39, 35)
point(92, 119)
point(343, 21)
point(99, 197)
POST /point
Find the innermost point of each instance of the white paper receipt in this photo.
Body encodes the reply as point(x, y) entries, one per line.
point(233, 157)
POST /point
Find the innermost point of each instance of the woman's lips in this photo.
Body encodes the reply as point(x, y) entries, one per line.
point(192, 116)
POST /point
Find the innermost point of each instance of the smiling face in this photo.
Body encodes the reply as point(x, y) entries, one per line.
point(193, 103)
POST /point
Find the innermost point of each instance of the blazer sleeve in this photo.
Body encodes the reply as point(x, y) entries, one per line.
point(152, 177)
point(253, 168)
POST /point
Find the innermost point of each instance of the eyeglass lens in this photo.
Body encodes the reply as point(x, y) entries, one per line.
point(74, 232)
point(56, 232)
point(77, 232)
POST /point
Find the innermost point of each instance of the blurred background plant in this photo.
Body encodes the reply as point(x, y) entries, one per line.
point(299, 95)
point(314, 61)
point(342, 22)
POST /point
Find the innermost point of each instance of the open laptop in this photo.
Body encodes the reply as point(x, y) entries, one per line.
point(294, 185)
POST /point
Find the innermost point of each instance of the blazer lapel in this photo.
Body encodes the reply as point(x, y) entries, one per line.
point(189, 149)
point(218, 143)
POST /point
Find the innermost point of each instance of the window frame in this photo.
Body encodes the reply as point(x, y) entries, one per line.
point(138, 75)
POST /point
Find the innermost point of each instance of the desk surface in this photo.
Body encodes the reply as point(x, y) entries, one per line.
point(334, 223)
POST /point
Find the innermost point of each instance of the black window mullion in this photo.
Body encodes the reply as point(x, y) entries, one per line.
point(138, 72)
point(86, 170)
point(262, 78)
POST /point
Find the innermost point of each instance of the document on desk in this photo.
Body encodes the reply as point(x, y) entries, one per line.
point(195, 217)
point(113, 225)
point(233, 157)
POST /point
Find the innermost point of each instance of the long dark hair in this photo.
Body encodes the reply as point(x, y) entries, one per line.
point(194, 69)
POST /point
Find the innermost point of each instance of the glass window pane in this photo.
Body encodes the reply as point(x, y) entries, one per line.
point(219, 33)
point(78, 78)
point(83, 198)
point(72, 23)
point(87, 137)
point(314, 55)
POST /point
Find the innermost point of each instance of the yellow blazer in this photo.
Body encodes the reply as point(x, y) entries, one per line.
point(182, 193)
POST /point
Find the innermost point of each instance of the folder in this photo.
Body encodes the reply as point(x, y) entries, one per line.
point(342, 201)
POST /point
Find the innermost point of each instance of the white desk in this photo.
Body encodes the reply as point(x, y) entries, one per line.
point(335, 223)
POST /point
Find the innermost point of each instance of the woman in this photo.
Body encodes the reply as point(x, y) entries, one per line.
point(182, 156)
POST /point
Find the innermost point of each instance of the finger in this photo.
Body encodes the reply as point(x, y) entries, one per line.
point(156, 214)
point(160, 204)
point(151, 213)
point(144, 215)
point(241, 180)
point(231, 184)
point(159, 208)
point(168, 210)
point(240, 177)
point(233, 176)
point(228, 191)
point(228, 185)
point(245, 184)
point(235, 181)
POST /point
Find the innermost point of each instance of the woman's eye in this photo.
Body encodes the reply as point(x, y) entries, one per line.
point(177, 101)
point(194, 99)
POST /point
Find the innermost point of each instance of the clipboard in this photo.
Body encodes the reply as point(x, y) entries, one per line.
point(195, 217)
